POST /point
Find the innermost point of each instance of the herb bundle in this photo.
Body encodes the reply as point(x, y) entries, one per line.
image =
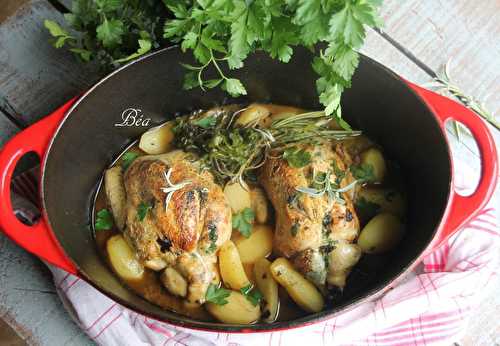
point(233, 152)
point(223, 33)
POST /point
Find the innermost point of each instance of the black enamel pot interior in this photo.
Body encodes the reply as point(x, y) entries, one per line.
point(379, 103)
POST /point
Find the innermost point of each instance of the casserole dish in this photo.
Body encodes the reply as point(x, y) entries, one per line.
point(78, 141)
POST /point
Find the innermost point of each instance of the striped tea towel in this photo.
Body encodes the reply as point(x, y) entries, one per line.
point(430, 308)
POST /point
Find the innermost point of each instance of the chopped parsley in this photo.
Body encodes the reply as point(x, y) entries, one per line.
point(252, 294)
point(128, 158)
point(206, 122)
point(363, 173)
point(103, 220)
point(242, 221)
point(217, 295)
point(142, 210)
point(212, 235)
point(296, 157)
point(339, 174)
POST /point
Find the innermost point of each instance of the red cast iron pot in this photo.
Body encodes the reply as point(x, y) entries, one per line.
point(78, 141)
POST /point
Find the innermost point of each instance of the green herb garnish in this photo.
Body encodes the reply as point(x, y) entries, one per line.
point(242, 221)
point(206, 122)
point(103, 220)
point(252, 294)
point(363, 173)
point(296, 157)
point(128, 158)
point(217, 295)
point(294, 229)
point(142, 210)
point(212, 236)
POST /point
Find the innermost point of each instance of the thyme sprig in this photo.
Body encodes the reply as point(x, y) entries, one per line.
point(234, 152)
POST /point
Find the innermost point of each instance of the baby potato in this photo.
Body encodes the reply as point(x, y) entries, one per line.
point(375, 159)
point(238, 310)
point(237, 197)
point(303, 292)
point(381, 234)
point(115, 193)
point(258, 245)
point(389, 200)
point(123, 259)
point(260, 205)
point(356, 145)
point(157, 140)
point(252, 114)
point(174, 282)
point(230, 267)
point(268, 287)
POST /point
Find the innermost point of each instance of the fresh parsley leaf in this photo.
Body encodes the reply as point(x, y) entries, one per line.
point(296, 157)
point(144, 47)
point(110, 32)
point(252, 294)
point(59, 33)
point(142, 210)
point(234, 87)
point(103, 220)
point(217, 295)
point(128, 158)
point(206, 122)
point(363, 173)
point(243, 220)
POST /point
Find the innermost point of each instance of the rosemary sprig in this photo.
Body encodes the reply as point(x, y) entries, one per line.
point(442, 83)
point(171, 188)
point(234, 153)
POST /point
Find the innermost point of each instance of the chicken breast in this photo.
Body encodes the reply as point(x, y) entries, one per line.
point(176, 217)
point(308, 228)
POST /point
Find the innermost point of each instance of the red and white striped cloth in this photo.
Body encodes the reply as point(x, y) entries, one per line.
point(430, 308)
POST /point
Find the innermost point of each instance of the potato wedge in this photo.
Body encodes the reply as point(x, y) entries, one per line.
point(158, 140)
point(381, 234)
point(237, 197)
point(238, 309)
point(303, 292)
point(387, 200)
point(268, 287)
point(254, 113)
point(115, 193)
point(123, 260)
point(230, 266)
point(174, 282)
point(258, 245)
point(260, 205)
point(375, 159)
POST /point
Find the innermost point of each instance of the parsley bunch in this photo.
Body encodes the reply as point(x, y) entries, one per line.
point(110, 32)
point(226, 31)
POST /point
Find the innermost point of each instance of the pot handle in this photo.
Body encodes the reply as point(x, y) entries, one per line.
point(37, 239)
point(463, 208)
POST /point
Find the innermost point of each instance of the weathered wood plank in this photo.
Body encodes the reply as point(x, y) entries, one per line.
point(467, 32)
point(35, 78)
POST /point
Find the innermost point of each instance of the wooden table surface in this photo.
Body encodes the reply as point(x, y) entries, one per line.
point(418, 38)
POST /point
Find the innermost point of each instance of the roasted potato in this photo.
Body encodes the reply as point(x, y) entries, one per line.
point(238, 309)
point(115, 193)
point(268, 287)
point(253, 114)
point(356, 145)
point(381, 234)
point(374, 158)
point(230, 266)
point(260, 205)
point(304, 293)
point(123, 260)
point(158, 140)
point(340, 261)
point(237, 197)
point(258, 245)
point(156, 264)
point(174, 282)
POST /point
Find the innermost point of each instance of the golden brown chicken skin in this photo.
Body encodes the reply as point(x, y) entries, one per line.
point(309, 228)
point(184, 234)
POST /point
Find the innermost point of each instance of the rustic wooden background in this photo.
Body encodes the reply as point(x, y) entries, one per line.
point(418, 38)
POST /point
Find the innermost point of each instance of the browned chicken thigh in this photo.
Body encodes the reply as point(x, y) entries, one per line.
point(315, 232)
point(176, 218)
